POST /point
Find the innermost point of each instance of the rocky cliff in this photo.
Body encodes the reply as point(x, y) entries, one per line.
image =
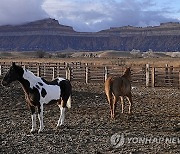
point(49, 35)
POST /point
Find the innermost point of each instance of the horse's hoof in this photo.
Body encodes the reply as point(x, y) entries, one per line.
point(60, 126)
point(112, 118)
point(32, 131)
point(57, 127)
point(40, 131)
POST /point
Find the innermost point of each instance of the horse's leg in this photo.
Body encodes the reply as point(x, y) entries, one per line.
point(114, 106)
point(111, 108)
point(33, 116)
point(122, 104)
point(129, 98)
point(40, 116)
point(61, 105)
point(109, 96)
point(62, 115)
point(111, 105)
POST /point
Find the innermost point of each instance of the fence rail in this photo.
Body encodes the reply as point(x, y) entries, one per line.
point(146, 75)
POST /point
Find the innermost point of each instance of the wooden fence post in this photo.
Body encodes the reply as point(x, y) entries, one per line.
point(153, 77)
point(66, 67)
point(171, 75)
point(0, 69)
point(68, 72)
point(179, 79)
point(166, 73)
point(58, 68)
point(105, 73)
point(24, 66)
point(38, 70)
point(87, 73)
point(147, 75)
point(53, 73)
point(44, 70)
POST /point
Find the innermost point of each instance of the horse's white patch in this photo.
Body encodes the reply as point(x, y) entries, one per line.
point(33, 122)
point(53, 91)
point(62, 116)
point(69, 102)
point(60, 79)
point(33, 80)
point(133, 88)
point(40, 116)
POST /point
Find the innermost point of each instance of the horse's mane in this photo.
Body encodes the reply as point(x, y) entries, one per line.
point(127, 73)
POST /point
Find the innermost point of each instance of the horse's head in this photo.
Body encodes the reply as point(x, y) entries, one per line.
point(127, 73)
point(15, 73)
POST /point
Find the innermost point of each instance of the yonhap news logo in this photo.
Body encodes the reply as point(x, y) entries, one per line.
point(118, 140)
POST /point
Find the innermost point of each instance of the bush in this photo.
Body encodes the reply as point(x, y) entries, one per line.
point(40, 54)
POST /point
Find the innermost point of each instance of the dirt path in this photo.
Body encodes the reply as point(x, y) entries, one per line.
point(156, 113)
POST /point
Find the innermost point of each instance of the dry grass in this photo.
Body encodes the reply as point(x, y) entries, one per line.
point(31, 57)
point(158, 62)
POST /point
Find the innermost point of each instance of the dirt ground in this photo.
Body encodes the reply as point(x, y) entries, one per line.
point(88, 128)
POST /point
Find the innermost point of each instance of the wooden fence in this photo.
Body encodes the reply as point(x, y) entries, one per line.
point(146, 75)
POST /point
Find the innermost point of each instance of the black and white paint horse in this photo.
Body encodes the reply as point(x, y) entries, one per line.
point(38, 92)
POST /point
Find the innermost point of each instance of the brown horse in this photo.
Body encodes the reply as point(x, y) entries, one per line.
point(116, 88)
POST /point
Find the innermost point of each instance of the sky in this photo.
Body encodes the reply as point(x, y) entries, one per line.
point(91, 15)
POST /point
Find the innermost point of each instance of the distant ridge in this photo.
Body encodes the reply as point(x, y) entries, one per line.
point(39, 25)
point(49, 35)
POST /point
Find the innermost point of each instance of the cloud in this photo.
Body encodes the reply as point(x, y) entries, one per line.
point(90, 15)
point(95, 15)
point(21, 11)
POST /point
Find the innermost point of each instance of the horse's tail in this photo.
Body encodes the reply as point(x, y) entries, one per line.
point(69, 102)
point(108, 89)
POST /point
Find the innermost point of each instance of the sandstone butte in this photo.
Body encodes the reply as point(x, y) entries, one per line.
point(49, 35)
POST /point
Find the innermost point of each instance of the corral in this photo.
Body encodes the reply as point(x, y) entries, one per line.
point(88, 129)
point(88, 126)
point(144, 75)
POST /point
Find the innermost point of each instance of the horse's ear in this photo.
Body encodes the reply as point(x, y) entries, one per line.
point(13, 64)
point(128, 68)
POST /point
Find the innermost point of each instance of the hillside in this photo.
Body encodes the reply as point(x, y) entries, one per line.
point(49, 35)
